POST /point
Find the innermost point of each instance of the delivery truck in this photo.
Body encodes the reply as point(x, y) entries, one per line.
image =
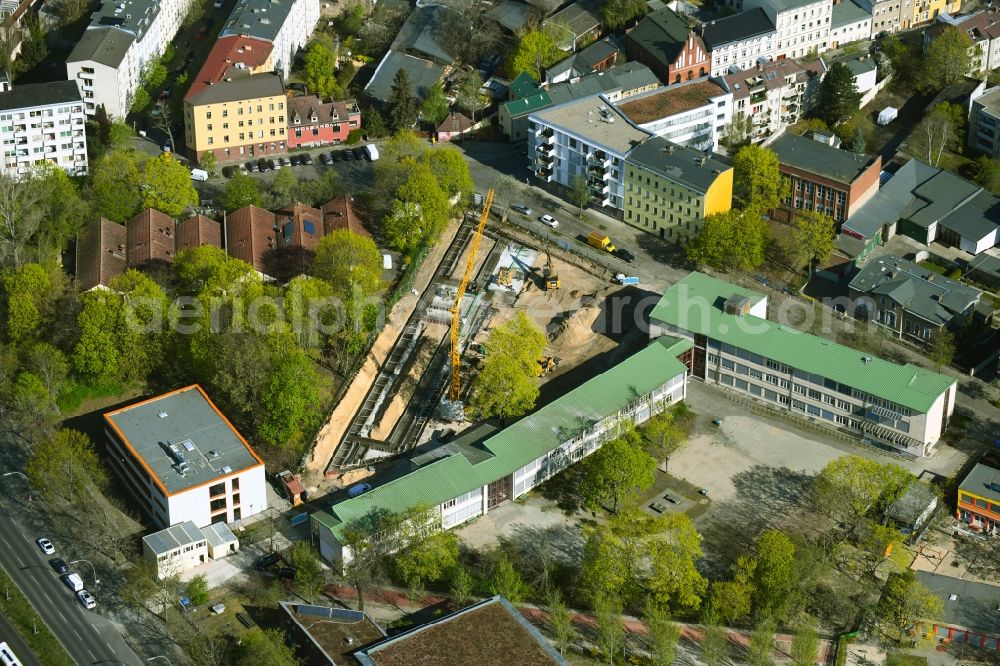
point(600, 241)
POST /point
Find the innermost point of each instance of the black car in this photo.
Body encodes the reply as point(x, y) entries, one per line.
point(61, 568)
point(228, 171)
point(288, 573)
point(624, 255)
point(348, 155)
point(252, 167)
point(272, 166)
point(325, 158)
point(307, 159)
point(295, 160)
point(337, 156)
point(266, 561)
point(359, 153)
point(262, 164)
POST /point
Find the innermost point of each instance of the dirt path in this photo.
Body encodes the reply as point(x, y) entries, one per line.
point(333, 431)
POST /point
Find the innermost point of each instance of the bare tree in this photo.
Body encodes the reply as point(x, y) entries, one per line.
point(20, 218)
point(161, 121)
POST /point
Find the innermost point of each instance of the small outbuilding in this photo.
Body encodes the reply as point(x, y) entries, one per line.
point(221, 540)
point(911, 511)
point(887, 115)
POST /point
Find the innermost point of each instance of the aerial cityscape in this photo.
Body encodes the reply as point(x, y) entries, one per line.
point(499, 332)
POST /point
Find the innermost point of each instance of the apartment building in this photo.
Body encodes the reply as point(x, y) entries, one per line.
point(42, 123)
point(979, 496)
point(586, 138)
point(313, 122)
point(740, 41)
point(823, 178)
point(668, 45)
point(983, 28)
point(693, 114)
point(123, 37)
point(285, 24)
point(888, 15)
point(927, 11)
point(904, 408)
point(850, 22)
point(182, 460)
point(771, 95)
point(803, 26)
point(484, 468)
point(235, 107)
point(984, 123)
point(670, 189)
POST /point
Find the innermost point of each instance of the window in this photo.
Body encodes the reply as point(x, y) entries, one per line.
point(236, 484)
point(236, 499)
point(218, 505)
point(981, 503)
point(217, 489)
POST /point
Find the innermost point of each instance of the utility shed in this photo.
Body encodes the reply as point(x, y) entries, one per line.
point(887, 115)
point(913, 508)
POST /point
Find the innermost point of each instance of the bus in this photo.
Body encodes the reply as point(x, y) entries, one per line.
point(7, 657)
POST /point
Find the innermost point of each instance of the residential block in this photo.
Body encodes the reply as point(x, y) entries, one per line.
point(42, 124)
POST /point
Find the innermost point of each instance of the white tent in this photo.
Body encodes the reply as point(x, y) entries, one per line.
point(887, 115)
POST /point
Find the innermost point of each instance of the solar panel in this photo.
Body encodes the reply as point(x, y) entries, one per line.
point(339, 614)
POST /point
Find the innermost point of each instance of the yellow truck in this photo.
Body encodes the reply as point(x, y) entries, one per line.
point(600, 241)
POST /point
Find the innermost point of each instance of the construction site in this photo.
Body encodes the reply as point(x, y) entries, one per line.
point(417, 379)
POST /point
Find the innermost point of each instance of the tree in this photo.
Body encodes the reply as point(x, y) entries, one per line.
point(560, 622)
point(986, 172)
point(505, 386)
point(536, 49)
point(65, 468)
point(351, 264)
point(615, 471)
point(28, 297)
point(942, 348)
point(809, 125)
point(852, 487)
point(452, 171)
point(858, 146)
point(318, 66)
point(665, 435)
point(758, 185)
point(48, 364)
point(426, 560)
point(507, 582)
point(610, 629)
point(838, 97)
point(115, 180)
point(368, 538)
point(760, 652)
point(310, 575)
point(20, 218)
point(284, 189)
point(733, 600)
point(468, 96)
point(197, 590)
point(738, 133)
point(942, 129)
point(265, 647)
point(619, 13)
point(714, 643)
point(578, 192)
point(902, 59)
point(774, 574)
point(241, 191)
point(471, 33)
point(292, 399)
point(663, 636)
point(805, 642)
point(504, 189)
point(813, 235)
point(120, 134)
point(401, 103)
point(904, 600)
point(733, 240)
point(948, 58)
point(421, 187)
point(166, 186)
point(435, 106)
point(208, 162)
point(461, 585)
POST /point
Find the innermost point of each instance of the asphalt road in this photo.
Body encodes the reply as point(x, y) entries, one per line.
point(88, 637)
point(15, 641)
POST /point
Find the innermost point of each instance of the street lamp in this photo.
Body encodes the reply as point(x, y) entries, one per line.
point(93, 570)
point(159, 656)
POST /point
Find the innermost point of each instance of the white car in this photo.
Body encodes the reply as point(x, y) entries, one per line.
point(46, 546)
point(549, 221)
point(87, 599)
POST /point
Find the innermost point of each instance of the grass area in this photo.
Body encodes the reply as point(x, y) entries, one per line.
point(910, 660)
point(17, 609)
point(75, 394)
point(940, 270)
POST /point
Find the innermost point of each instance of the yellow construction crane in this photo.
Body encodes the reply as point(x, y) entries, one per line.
point(456, 353)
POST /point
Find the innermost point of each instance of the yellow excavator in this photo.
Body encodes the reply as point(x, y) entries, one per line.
point(551, 279)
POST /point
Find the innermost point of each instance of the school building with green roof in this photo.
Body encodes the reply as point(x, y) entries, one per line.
point(485, 467)
point(900, 407)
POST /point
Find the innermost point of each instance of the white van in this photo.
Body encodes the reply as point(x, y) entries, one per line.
point(371, 151)
point(73, 581)
point(199, 175)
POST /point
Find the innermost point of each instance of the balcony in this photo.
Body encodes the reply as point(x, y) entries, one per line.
point(545, 132)
point(544, 174)
point(595, 170)
point(758, 97)
point(545, 160)
point(544, 147)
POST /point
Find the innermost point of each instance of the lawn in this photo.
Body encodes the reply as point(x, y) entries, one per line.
point(21, 614)
point(940, 270)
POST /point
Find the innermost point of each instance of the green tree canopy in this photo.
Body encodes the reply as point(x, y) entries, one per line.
point(732, 600)
point(265, 647)
point(774, 574)
point(435, 106)
point(667, 431)
point(451, 169)
point(115, 180)
point(758, 185)
point(805, 642)
point(942, 348)
point(905, 600)
point(507, 582)
point(620, 13)
point(948, 58)
point(536, 49)
point(852, 487)
point(27, 302)
point(350, 263)
point(428, 558)
point(241, 190)
point(614, 472)
point(505, 385)
point(66, 468)
point(319, 67)
point(731, 240)
point(812, 237)
point(402, 104)
point(839, 98)
point(166, 186)
point(197, 590)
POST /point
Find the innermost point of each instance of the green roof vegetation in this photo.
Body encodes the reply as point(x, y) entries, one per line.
point(697, 303)
point(528, 439)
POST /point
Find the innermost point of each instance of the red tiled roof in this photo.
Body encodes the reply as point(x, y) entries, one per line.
point(196, 231)
point(306, 226)
point(250, 235)
point(339, 214)
point(100, 253)
point(230, 52)
point(149, 237)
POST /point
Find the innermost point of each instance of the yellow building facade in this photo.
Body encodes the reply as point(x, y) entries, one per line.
point(670, 189)
point(241, 118)
point(917, 12)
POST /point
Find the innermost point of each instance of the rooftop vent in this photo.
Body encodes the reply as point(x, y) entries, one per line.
point(162, 415)
point(226, 469)
point(188, 445)
point(866, 359)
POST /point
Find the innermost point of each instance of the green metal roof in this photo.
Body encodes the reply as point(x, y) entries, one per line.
point(524, 84)
point(528, 439)
point(696, 304)
point(529, 104)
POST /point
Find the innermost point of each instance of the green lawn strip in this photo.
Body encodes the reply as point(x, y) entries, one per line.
point(23, 616)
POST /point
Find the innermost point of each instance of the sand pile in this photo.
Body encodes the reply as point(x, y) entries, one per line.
point(576, 329)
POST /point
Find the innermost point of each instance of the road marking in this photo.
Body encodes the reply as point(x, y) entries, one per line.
point(92, 655)
point(61, 615)
point(19, 560)
point(78, 635)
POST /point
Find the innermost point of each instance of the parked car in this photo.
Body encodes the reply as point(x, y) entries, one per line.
point(285, 161)
point(624, 255)
point(266, 561)
point(348, 155)
point(228, 171)
point(288, 573)
point(60, 567)
point(87, 599)
point(307, 159)
point(359, 153)
point(336, 156)
point(295, 160)
point(523, 210)
point(325, 158)
point(549, 221)
point(46, 546)
point(252, 167)
point(358, 489)
point(273, 165)
point(263, 165)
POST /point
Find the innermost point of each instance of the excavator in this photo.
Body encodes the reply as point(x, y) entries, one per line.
point(550, 279)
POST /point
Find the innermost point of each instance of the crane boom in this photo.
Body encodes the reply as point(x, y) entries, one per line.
point(456, 353)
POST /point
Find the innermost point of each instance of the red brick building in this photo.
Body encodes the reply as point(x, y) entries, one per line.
point(665, 43)
point(823, 178)
point(313, 122)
